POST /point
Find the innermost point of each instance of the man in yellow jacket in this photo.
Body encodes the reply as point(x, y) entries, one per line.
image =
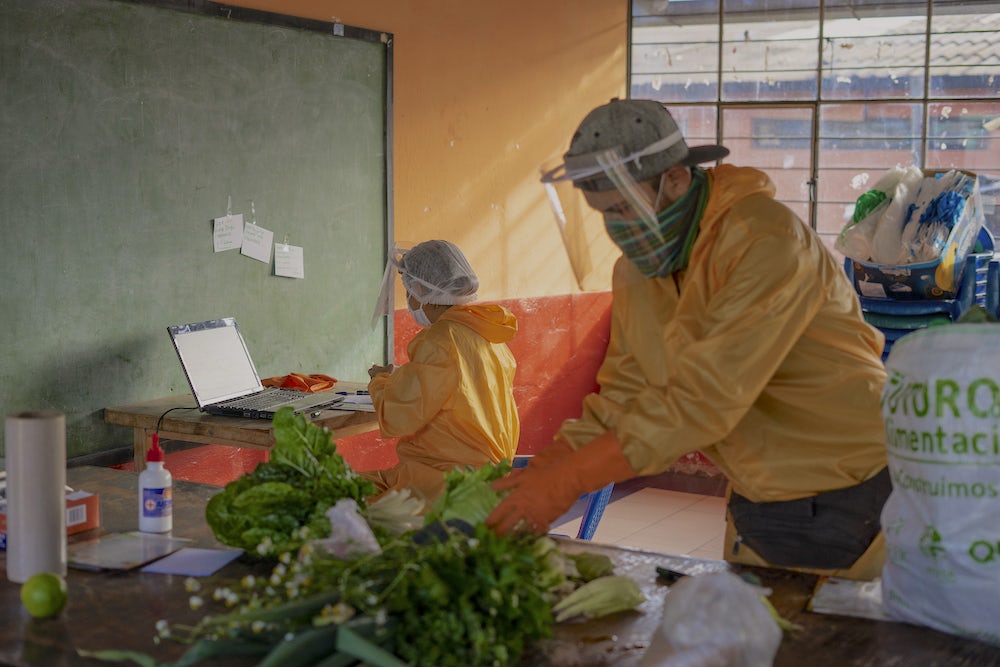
point(452, 404)
point(734, 332)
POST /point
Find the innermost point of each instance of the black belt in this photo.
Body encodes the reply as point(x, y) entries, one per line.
point(827, 531)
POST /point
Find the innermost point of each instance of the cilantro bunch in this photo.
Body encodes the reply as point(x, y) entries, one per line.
point(282, 504)
point(460, 599)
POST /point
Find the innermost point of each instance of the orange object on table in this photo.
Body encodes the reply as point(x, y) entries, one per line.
point(313, 382)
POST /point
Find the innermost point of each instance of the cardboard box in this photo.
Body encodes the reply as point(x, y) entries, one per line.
point(939, 279)
point(83, 512)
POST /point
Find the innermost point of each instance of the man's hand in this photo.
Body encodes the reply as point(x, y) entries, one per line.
point(554, 453)
point(540, 494)
point(536, 499)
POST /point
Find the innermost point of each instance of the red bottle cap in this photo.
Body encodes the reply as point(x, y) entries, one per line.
point(155, 453)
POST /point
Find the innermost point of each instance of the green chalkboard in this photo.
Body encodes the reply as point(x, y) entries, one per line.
point(126, 128)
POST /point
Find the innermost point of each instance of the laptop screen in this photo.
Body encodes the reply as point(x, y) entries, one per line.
point(215, 359)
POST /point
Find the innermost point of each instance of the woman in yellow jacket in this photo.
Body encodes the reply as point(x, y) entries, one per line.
point(452, 404)
point(734, 332)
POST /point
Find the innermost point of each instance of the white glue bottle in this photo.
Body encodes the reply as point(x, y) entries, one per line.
point(155, 492)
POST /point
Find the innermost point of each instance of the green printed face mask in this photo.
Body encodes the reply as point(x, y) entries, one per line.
point(659, 252)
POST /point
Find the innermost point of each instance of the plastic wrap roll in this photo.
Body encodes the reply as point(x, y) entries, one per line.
point(35, 445)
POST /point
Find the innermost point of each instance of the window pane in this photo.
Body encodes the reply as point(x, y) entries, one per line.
point(964, 135)
point(776, 141)
point(675, 55)
point(965, 54)
point(872, 133)
point(874, 57)
point(770, 50)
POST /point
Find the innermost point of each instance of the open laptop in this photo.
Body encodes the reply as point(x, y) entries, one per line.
point(224, 380)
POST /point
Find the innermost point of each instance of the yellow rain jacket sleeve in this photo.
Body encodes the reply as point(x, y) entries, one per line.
point(757, 355)
point(452, 404)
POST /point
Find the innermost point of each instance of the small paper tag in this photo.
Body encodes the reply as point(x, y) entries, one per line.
point(228, 232)
point(257, 243)
point(871, 290)
point(288, 261)
point(194, 562)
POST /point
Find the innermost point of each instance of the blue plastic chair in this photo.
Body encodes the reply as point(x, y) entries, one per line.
point(597, 501)
point(993, 288)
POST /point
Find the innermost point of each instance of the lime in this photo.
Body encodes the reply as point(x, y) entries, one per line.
point(43, 594)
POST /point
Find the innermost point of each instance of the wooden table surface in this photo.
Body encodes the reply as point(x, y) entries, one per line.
point(120, 610)
point(180, 419)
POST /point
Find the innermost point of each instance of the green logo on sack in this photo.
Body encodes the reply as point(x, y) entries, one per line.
point(943, 420)
point(941, 397)
point(983, 551)
point(930, 543)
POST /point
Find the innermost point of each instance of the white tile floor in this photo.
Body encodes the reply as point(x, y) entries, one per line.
point(684, 524)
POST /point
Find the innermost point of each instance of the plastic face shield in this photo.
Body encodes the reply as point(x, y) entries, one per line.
point(451, 280)
point(580, 212)
point(384, 305)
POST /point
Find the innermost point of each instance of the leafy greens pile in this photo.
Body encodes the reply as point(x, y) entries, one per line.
point(282, 504)
point(450, 593)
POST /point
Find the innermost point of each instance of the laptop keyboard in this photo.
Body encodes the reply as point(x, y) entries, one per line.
point(264, 399)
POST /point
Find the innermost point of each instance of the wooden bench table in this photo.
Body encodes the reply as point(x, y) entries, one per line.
point(177, 417)
point(119, 610)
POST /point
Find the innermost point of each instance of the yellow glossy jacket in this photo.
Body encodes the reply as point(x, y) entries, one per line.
point(452, 404)
point(756, 354)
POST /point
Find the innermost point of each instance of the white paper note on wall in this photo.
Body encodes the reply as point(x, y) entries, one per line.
point(228, 232)
point(288, 261)
point(257, 243)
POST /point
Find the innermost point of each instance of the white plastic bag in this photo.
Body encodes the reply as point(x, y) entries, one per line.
point(350, 534)
point(714, 620)
point(855, 239)
point(941, 407)
point(887, 247)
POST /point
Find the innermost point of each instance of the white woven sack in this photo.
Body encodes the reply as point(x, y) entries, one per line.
point(941, 405)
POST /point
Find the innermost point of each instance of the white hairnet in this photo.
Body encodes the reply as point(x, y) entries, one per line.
point(437, 272)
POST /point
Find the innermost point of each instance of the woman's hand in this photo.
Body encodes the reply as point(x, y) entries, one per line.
point(376, 369)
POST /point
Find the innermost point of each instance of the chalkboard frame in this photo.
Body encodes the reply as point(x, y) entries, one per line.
point(338, 29)
point(82, 350)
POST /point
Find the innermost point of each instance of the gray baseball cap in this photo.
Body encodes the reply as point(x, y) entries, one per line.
point(643, 133)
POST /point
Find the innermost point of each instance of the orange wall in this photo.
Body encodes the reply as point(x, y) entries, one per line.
point(484, 93)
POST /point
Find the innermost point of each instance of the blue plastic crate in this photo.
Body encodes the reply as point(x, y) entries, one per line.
point(940, 278)
point(980, 285)
point(972, 290)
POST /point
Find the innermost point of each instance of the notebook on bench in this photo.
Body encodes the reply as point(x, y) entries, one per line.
point(223, 378)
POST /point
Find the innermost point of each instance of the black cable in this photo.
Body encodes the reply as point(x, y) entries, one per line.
point(160, 420)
